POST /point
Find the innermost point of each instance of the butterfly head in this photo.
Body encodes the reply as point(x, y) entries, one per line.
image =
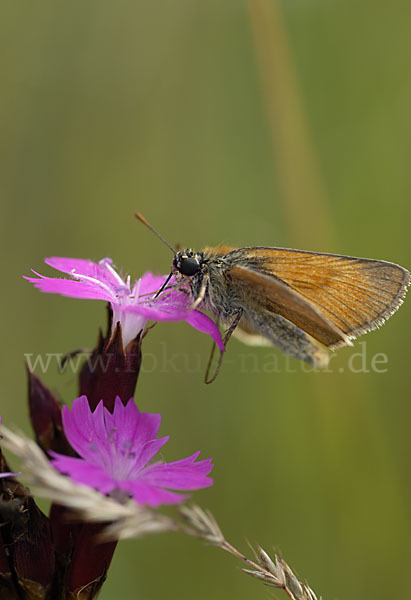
point(187, 262)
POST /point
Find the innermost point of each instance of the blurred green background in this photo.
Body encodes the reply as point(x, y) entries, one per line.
point(252, 123)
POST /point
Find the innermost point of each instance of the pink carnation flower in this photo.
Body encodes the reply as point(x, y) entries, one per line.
point(115, 449)
point(132, 305)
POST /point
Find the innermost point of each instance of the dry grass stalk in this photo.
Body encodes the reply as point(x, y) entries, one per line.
point(274, 573)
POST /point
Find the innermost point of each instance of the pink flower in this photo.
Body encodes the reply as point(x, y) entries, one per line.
point(132, 305)
point(115, 449)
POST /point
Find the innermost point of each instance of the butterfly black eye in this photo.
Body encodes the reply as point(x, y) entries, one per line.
point(189, 266)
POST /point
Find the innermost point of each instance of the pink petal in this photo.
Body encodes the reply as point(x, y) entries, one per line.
point(70, 288)
point(131, 424)
point(67, 265)
point(203, 323)
point(148, 451)
point(82, 266)
point(158, 312)
point(83, 472)
point(144, 493)
point(86, 431)
point(183, 474)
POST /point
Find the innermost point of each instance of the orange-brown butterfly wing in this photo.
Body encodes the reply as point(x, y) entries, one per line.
point(270, 293)
point(354, 295)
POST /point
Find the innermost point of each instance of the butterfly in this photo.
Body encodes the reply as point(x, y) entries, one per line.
point(303, 302)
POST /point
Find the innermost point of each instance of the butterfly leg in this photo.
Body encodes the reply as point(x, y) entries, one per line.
point(237, 317)
point(201, 294)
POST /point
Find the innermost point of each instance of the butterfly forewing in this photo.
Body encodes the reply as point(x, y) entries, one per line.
point(272, 294)
point(349, 296)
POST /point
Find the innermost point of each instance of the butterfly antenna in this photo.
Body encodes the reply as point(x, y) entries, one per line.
point(147, 224)
point(163, 287)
